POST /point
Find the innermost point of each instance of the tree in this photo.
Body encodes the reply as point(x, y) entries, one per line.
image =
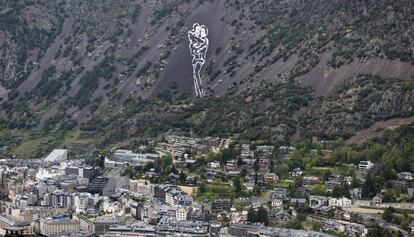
point(157, 165)
point(237, 184)
point(388, 214)
point(294, 224)
point(202, 188)
point(129, 171)
point(251, 215)
point(326, 175)
point(388, 172)
point(183, 177)
point(272, 166)
point(355, 182)
point(99, 162)
point(301, 217)
point(318, 189)
point(316, 226)
point(371, 186)
point(243, 173)
point(405, 221)
point(378, 231)
point(282, 171)
point(256, 189)
point(239, 161)
point(165, 163)
point(148, 166)
point(256, 178)
point(256, 165)
point(262, 216)
point(173, 169)
point(227, 154)
point(340, 191)
point(252, 147)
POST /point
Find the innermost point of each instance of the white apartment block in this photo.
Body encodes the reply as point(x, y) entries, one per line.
point(340, 202)
point(56, 226)
point(365, 165)
point(181, 214)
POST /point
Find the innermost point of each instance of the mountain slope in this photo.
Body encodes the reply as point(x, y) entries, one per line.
point(66, 64)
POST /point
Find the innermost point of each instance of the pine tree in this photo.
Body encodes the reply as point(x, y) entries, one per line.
point(262, 216)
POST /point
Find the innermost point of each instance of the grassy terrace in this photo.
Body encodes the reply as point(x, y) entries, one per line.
point(27, 148)
point(35, 144)
point(216, 190)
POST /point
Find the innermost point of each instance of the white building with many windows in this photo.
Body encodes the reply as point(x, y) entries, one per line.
point(181, 213)
point(50, 226)
point(365, 165)
point(340, 202)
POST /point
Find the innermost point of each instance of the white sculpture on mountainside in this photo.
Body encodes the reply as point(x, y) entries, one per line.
point(198, 50)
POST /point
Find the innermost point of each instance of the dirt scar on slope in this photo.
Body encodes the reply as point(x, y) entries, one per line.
point(198, 49)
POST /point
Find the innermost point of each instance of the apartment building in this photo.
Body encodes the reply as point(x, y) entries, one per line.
point(51, 226)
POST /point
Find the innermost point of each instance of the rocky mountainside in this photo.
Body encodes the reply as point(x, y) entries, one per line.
point(327, 67)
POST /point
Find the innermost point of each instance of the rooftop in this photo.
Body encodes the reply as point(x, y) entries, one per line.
point(11, 221)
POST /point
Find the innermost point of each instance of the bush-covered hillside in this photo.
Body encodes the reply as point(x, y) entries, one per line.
point(358, 103)
point(263, 114)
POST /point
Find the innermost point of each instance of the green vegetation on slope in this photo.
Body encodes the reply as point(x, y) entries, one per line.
point(357, 104)
point(263, 114)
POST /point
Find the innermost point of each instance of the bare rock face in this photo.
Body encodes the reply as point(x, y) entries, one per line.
point(394, 100)
point(27, 31)
point(9, 61)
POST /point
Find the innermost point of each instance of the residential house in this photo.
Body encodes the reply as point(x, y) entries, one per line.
point(377, 199)
point(277, 203)
point(340, 202)
point(220, 205)
point(349, 228)
point(297, 202)
point(315, 201)
point(405, 176)
point(310, 180)
point(181, 213)
point(213, 165)
point(242, 230)
point(280, 216)
point(280, 193)
point(327, 154)
point(238, 216)
point(270, 177)
point(323, 210)
point(231, 165)
point(365, 165)
point(355, 193)
point(296, 172)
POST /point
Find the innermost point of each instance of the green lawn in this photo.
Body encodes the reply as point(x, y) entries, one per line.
point(74, 137)
point(27, 148)
point(216, 190)
point(38, 143)
point(283, 183)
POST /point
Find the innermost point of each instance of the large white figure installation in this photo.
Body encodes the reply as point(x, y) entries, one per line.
point(198, 50)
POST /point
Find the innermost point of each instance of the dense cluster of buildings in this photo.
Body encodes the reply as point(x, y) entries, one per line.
point(177, 146)
point(57, 196)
